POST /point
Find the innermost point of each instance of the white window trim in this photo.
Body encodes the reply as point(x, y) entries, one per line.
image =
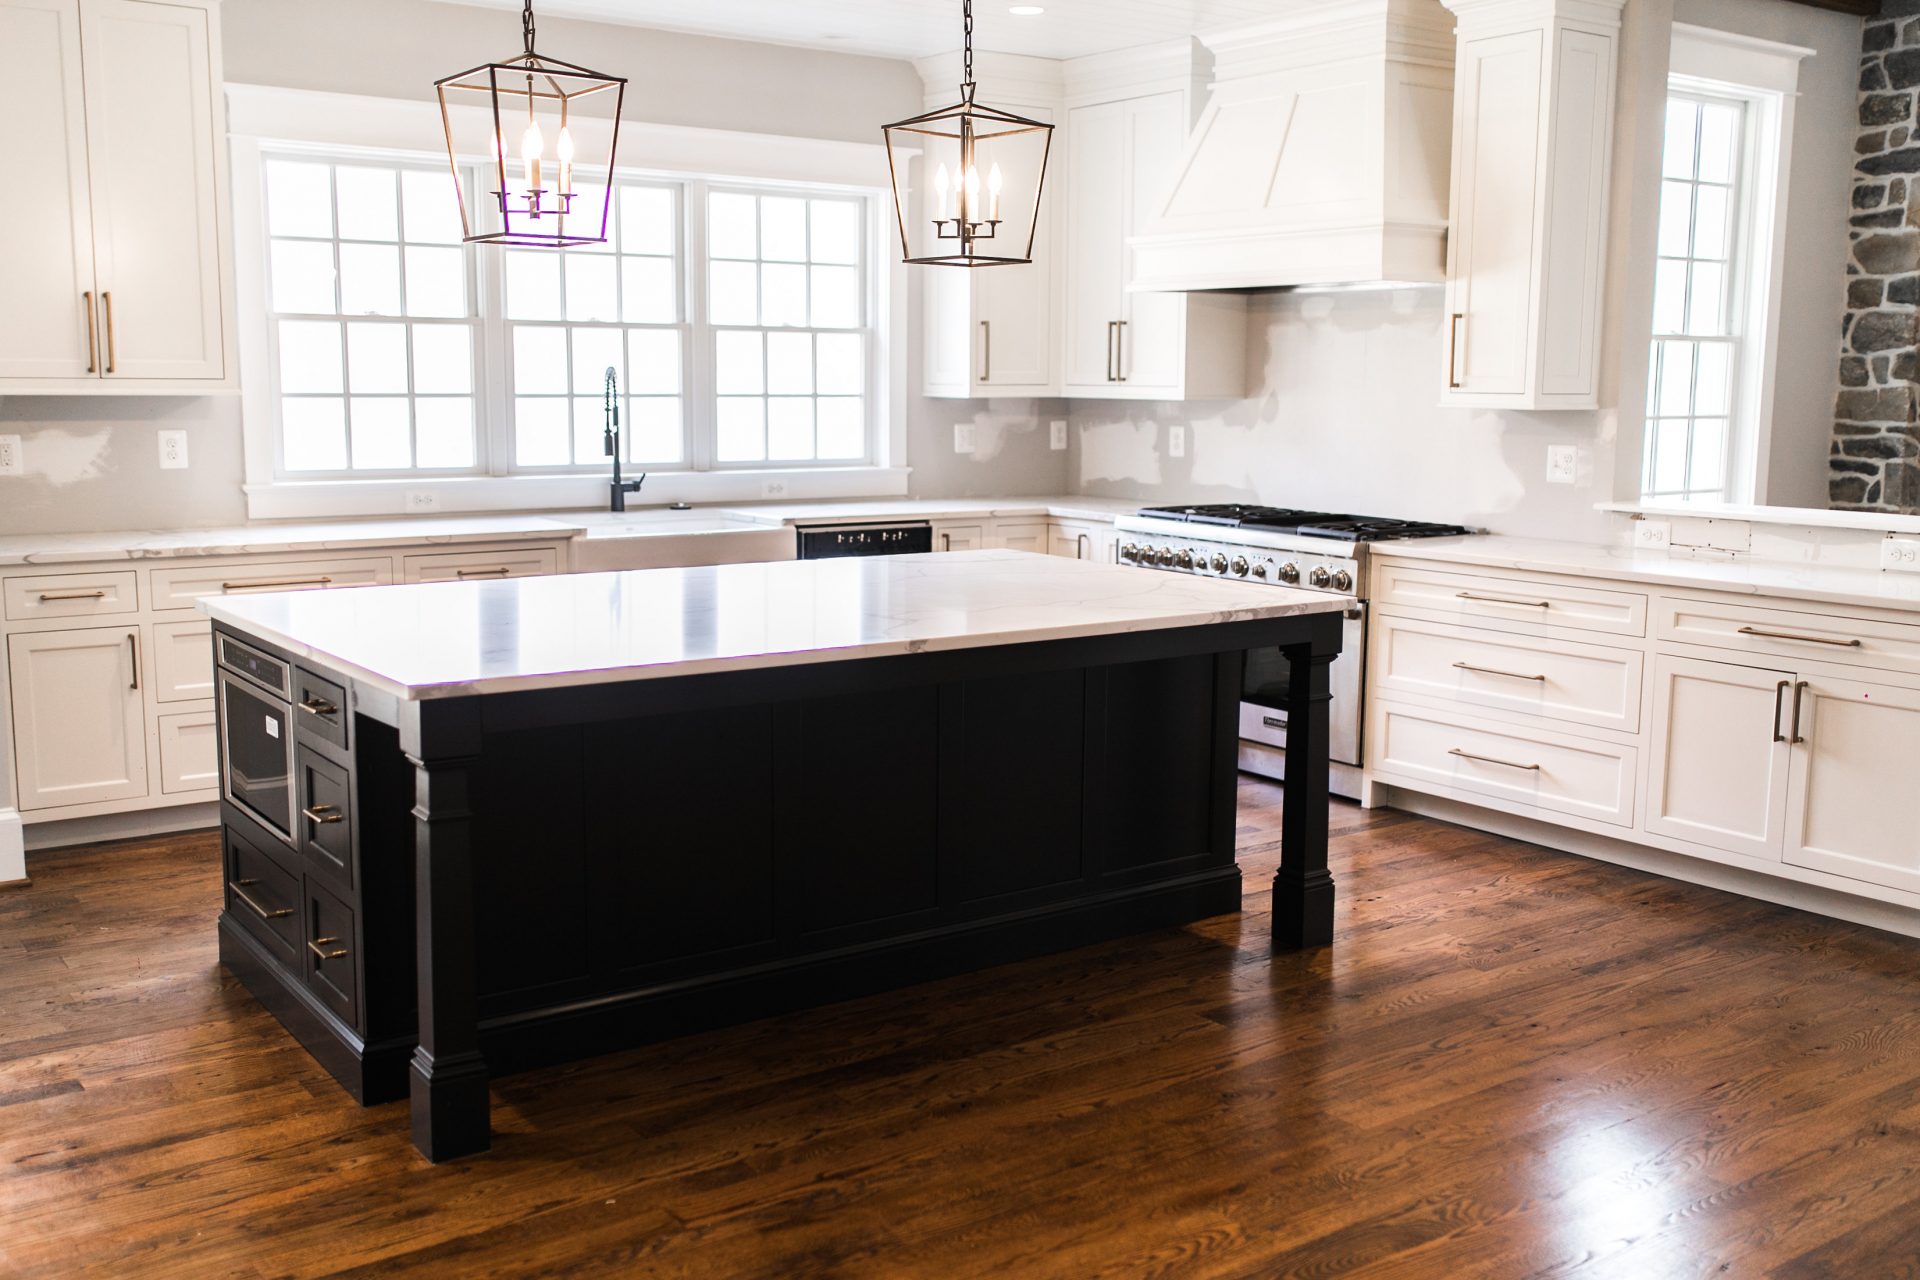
point(1765, 74)
point(264, 117)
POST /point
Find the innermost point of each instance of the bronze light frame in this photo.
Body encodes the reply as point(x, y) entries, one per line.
point(546, 80)
point(969, 123)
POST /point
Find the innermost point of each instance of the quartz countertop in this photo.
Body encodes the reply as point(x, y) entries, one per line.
point(436, 640)
point(334, 535)
point(1742, 575)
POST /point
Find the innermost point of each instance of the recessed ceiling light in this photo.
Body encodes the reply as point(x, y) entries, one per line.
point(1026, 10)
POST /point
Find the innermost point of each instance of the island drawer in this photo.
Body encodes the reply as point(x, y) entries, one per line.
point(325, 821)
point(262, 896)
point(470, 566)
point(332, 964)
point(1508, 602)
point(71, 595)
point(1551, 678)
point(1755, 631)
point(322, 707)
point(179, 588)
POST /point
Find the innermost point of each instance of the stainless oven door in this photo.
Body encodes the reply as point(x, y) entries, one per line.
point(257, 754)
point(1263, 693)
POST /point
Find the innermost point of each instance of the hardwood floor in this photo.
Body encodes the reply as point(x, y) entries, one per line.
point(1512, 1063)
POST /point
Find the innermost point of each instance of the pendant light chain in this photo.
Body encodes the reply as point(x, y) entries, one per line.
point(966, 72)
point(526, 24)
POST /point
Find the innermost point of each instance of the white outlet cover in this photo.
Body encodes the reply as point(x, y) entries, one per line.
point(422, 500)
point(963, 437)
point(1563, 463)
point(1900, 555)
point(1058, 433)
point(11, 463)
point(173, 449)
point(773, 488)
point(1176, 442)
point(1652, 533)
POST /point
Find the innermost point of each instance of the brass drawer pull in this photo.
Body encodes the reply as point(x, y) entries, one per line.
point(323, 813)
point(1453, 349)
point(319, 947)
point(986, 351)
point(1793, 734)
point(1530, 604)
point(318, 707)
point(284, 582)
point(107, 298)
point(133, 657)
point(1468, 755)
point(47, 597)
point(500, 572)
point(1495, 671)
point(1119, 350)
point(93, 341)
point(1779, 695)
point(1788, 635)
point(240, 892)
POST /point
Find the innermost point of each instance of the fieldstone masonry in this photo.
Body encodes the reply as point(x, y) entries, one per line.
point(1875, 460)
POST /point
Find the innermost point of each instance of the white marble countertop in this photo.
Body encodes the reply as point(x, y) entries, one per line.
point(1743, 575)
point(333, 535)
point(436, 640)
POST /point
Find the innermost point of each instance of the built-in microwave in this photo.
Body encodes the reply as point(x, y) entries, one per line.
point(256, 715)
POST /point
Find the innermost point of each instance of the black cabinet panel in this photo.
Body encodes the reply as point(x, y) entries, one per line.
point(332, 954)
point(264, 897)
point(325, 821)
point(531, 802)
point(1017, 755)
point(1160, 724)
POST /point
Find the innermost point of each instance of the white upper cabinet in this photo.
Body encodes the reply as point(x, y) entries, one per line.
point(1532, 149)
point(115, 283)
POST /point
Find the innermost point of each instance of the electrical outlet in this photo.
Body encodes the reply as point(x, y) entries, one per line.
point(421, 501)
point(1652, 533)
point(1058, 436)
point(173, 450)
point(963, 437)
point(1176, 442)
point(10, 460)
point(773, 488)
point(1902, 555)
point(1563, 463)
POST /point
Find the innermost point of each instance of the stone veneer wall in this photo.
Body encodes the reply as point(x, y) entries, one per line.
point(1875, 460)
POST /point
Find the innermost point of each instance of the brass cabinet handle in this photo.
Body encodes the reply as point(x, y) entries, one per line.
point(284, 582)
point(1110, 331)
point(318, 707)
point(1788, 635)
point(323, 813)
point(93, 339)
point(1119, 350)
point(240, 892)
point(133, 652)
point(500, 572)
point(1793, 734)
point(1495, 671)
point(1530, 604)
point(1079, 546)
point(47, 597)
point(986, 351)
point(1779, 696)
point(1453, 349)
point(107, 298)
point(319, 947)
point(1468, 755)
point(946, 542)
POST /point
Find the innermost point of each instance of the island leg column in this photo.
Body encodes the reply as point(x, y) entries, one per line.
point(448, 1079)
point(1303, 889)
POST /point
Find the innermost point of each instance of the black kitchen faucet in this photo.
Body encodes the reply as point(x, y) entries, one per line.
point(610, 439)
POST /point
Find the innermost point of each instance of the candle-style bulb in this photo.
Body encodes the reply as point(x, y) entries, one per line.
point(532, 143)
point(563, 151)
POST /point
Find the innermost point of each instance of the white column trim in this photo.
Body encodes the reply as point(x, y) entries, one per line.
point(13, 847)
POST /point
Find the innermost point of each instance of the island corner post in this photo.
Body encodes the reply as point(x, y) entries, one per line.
point(518, 876)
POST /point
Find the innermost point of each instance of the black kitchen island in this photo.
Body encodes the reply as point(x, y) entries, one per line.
point(471, 828)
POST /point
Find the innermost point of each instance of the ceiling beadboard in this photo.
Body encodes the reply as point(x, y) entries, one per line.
point(916, 28)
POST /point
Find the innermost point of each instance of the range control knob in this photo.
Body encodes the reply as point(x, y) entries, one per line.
point(1186, 559)
point(1240, 565)
point(1260, 570)
point(1342, 580)
point(1219, 563)
point(1319, 576)
point(1166, 555)
point(1289, 572)
point(1129, 552)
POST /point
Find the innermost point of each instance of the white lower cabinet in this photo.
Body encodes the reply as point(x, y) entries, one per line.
point(1024, 535)
point(182, 661)
point(189, 753)
point(1851, 808)
point(959, 537)
point(79, 724)
point(1084, 540)
point(1718, 773)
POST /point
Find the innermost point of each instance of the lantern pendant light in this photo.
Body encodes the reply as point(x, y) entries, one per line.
point(988, 168)
point(534, 202)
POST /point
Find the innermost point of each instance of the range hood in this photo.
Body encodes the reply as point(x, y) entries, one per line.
point(1321, 157)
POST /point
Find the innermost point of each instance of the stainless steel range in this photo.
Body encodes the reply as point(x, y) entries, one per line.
point(1310, 550)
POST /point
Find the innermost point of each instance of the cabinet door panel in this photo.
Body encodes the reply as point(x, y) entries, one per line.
point(150, 138)
point(46, 257)
point(182, 661)
point(1013, 305)
point(189, 755)
point(1853, 810)
point(78, 726)
point(1152, 348)
point(1095, 246)
point(1718, 777)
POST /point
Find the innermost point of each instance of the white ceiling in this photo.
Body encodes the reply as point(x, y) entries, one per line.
point(915, 28)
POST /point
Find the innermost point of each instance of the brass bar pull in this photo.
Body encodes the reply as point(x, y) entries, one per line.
point(946, 542)
point(1779, 696)
point(986, 351)
point(239, 891)
point(319, 947)
point(1110, 325)
point(1495, 671)
point(1119, 350)
point(501, 572)
point(323, 814)
point(107, 298)
point(1793, 734)
point(93, 338)
point(1788, 635)
point(318, 707)
point(1453, 349)
point(1508, 764)
point(133, 652)
point(1529, 604)
point(48, 596)
point(1080, 546)
point(284, 582)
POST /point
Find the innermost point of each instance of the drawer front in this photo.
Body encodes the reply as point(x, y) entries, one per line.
point(329, 947)
point(71, 595)
point(1554, 679)
point(472, 566)
point(325, 821)
point(959, 537)
point(319, 707)
point(1524, 601)
point(1589, 779)
point(1777, 634)
point(263, 897)
point(178, 588)
point(189, 753)
point(182, 661)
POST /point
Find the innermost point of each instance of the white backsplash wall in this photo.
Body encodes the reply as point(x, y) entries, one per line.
point(1346, 416)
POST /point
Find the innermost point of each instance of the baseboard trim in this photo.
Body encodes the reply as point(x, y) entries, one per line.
point(58, 833)
point(1661, 862)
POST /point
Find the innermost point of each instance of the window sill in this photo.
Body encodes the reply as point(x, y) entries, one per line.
point(322, 499)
